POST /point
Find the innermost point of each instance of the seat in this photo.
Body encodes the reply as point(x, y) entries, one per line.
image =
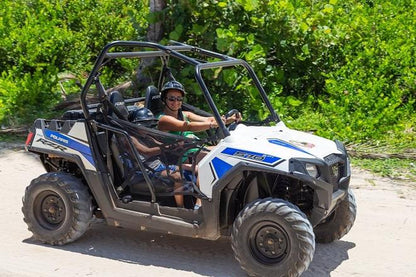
point(117, 99)
point(153, 101)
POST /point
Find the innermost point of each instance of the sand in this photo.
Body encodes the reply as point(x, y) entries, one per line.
point(381, 243)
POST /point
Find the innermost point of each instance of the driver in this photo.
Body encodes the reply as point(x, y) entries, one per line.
point(184, 123)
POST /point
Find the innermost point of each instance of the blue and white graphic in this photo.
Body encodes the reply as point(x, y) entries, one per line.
point(70, 143)
point(220, 167)
point(287, 145)
point(251, 156)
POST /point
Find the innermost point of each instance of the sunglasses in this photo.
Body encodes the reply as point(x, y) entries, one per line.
point(174, 98)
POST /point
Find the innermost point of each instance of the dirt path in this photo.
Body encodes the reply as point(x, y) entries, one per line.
point(381, 243)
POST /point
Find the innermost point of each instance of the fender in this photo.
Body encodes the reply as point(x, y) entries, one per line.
point(59, 154)
point(224, 189)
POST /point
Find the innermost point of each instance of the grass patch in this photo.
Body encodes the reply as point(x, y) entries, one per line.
point(12, 138)
point(390, 155)
point(403, 169)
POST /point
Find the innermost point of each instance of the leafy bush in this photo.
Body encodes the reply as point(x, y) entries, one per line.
point(39, 39)
point(344, 69)
point(373, 94)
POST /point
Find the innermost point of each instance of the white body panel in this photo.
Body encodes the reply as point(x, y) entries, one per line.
point(78, 131)
point(75, 142)
point(269, 146)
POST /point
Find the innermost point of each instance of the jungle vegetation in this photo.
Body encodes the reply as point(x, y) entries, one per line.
point(342, 69)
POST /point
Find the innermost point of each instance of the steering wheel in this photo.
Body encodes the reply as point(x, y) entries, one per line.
point(230, 113)
point(230, 127)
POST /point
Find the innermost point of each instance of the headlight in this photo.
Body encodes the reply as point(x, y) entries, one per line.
point(312, 170)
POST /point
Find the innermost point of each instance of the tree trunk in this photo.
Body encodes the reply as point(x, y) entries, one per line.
point(155, 30)
point(154, 34)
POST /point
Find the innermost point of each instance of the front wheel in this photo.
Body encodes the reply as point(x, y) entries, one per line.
point(339, 223)
point(272, 237)
point(57, 208)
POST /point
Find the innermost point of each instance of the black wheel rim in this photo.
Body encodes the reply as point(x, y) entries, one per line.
point(49, 210)
point(269, 243)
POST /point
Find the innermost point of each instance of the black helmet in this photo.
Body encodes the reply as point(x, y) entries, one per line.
point(172, 85)
point(143, 116)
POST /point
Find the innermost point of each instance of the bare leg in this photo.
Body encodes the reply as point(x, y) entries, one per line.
point(178, 197)
point(177, 187)
point(198, 202)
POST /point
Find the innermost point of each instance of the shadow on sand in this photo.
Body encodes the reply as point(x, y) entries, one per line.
point(203, 257)
point(328, 257)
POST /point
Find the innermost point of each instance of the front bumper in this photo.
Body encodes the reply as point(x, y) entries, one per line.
point(330, 187)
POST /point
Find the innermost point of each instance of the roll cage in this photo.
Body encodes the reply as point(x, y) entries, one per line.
point(179, 51)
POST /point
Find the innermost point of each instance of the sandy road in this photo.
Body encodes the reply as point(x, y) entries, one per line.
point(381, 243)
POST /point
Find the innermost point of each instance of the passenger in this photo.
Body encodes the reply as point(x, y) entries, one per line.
point(149, 156)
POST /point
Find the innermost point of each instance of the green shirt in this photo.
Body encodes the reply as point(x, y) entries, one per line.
point(187, 134)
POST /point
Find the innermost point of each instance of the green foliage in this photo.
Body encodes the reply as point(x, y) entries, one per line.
point(373, 94)
point(344, 69)
point(39, 39)
point(404, 169)
point(13, 138)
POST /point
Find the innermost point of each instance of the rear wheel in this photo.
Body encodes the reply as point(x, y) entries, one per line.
point(272, 237)
point(339, 223)
point(57, 208)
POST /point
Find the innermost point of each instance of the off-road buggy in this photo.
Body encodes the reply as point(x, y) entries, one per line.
point(274, 190)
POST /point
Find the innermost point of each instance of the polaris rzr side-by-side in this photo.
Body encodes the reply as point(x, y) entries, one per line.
point(273, 190)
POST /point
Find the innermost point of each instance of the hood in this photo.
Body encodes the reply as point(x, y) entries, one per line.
point(282, 142)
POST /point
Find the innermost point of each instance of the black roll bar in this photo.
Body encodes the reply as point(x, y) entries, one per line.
point(175, 51)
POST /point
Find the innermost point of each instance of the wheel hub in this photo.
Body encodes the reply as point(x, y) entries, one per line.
point(271, 242)
point(53, 209)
